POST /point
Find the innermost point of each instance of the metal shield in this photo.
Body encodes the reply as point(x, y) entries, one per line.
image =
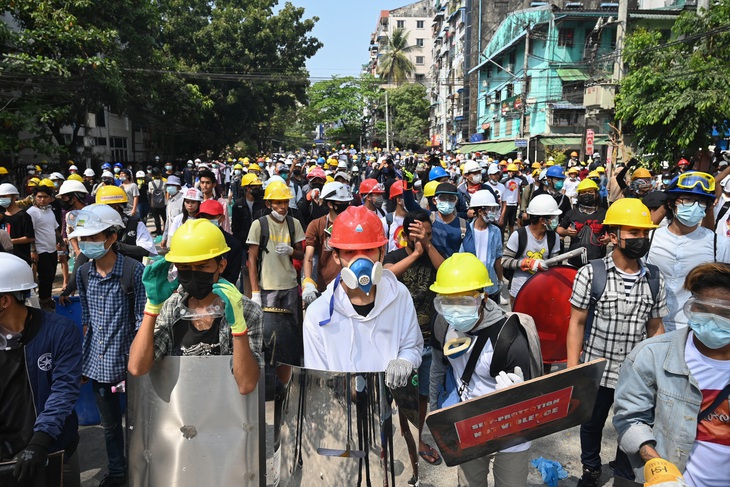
point(546, 297)
point(282, 344)
point(189, 426)
point(346, 429)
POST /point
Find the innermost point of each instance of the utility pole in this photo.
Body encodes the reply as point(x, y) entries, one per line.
point(523, 104)
point(618, 67)
point(387, 123)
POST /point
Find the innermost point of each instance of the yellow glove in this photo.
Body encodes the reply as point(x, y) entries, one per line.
point(660, 472)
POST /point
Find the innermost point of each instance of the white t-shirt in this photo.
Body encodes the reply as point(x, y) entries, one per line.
point(511, 194)
point(499, 188)
point(481, 242)
point(394, 232)
point(571, 189)
point(722, 228)
point(711, 449)
point(44, 225)
point(535, 249)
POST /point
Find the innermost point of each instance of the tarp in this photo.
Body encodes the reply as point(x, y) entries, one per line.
point(498, 147)
point(572, 140)
point(572, 74)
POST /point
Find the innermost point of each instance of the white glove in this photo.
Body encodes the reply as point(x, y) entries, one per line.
point(539, 265)
point(284, 249)
point(256, 297)
point(309, 292)
point(397, 373)
point(505, 379)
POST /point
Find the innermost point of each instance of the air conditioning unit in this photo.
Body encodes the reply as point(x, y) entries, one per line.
point(90, 120)
point(600, 96)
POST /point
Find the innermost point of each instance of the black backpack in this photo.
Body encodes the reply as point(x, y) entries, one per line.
point(508, 273)
point(157, 194)
point(128, 267)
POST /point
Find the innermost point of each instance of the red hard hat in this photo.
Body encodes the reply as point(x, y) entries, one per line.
point(317, 172)
point(371, 186)
point(683, 162)
point(357, 228)
point(396, 189)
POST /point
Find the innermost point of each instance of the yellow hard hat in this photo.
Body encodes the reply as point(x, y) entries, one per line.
point(110, 195)
point(549, 163)
point(47, 183)
point(594, 174)
point(430, 188)
point(254, 167)
point(513, 167)
point(574, 154)
point(536, 165)
point(195, 241)
point(3, 171)
point(250, 179)
point(277, 190)
point(237, 166)
point(38, 168)
point(600, 169)
point(536, 172)
point(246, 161)
point(573, 170)
point(641, 173)
point(460, 273)
point(76, 177)
point(329, 179)
point(443, 164)
point(629, 212)
point(587, 184)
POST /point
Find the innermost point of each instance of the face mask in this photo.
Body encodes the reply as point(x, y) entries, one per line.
point(93, 250)
point(690, 215)
point(666, 182)
point(55, 184)
point(140, 182)
point(362, 273)
point(257, 193)
point(172, 190)
point(635, 248)
point(215, 222)
point(190, 165)
point(552, 223)
point(276, 216)
point(491, 216)
point(493, 182)
point(284, 175)
point(339, 207)
point(116, 170)
point(197, 284)
point(587, 199)
point(123, 178)
point(713, 333)
point(558, 185)
point(31, 172)
point(378, 201)
point(297, 173)
point(461, 318)
point(107, 181)
point(445, 207)
point(236, 172)
point(5, 202)
point(168, 168)
point(476, 178)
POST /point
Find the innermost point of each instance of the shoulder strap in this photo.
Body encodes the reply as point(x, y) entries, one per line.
point(389, 220)
point(653, 279)
point(721, 396)
point(723, 211)
point(598, 285)
point(263, 242)
point(521, 241)
point(551, 242)
point(290, 225)
point(507, 334)
point(128, 267)
point(476, 352)
point(462, 227)
point(83, 274)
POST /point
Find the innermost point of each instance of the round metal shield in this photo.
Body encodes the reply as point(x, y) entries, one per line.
point(546, 297)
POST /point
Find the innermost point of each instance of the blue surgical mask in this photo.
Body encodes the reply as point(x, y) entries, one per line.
point(215, 222)
point(172, 190)
point(690, 214)
point(445, 207)
point(93, 250)
point(558, 185)
point(461, 318)
point(713, 333)
point(5, 202)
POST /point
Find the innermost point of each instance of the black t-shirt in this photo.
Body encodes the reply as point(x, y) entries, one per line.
point(418, 278)
point(192, 342)
point(20, 225)
point(587, 237)
point(364, 309)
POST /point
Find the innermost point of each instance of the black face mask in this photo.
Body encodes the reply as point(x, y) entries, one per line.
point(257, 193)
point(68, 205)
point(197, 284)
point(587, 199)
point(318, 186)
point(296, 173)
point(635, 248)
point(339, 207)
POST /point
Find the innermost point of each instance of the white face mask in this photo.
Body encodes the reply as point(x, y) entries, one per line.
point(278, 217)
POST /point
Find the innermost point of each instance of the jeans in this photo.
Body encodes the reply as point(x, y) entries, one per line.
point(591, 434)
point(110, 411)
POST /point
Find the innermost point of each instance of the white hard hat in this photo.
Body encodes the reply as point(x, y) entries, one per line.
point(57, 175)
point(355, 169)
point(343, 175)
point(140, 174)
point(72, 187)
point(494, 169)
point(17, 274)
point(94, 219)
point(336, 192)
point(190, 161)
point(89, 173)
point(193, 194)
point(198, 161)
point(481, 198)
point(342, 165)
point(471, 166)
point(73, 168)
point(107, 174)
point(7, 188)
point(543, 205)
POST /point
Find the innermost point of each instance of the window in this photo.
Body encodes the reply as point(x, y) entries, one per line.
point(100, 141)
point(512, 58)
point(419, 42)
point(613, 39)
point(528, 86)
point(419, 24)
point(510, 90)
point(118, 148)
point(420, 77)
point(100, 120)
point(420, 60)
point(497, 131)
point(565, 37)
point(508, 127)
point(565, 118)
point(400, 24)
point(489, 71)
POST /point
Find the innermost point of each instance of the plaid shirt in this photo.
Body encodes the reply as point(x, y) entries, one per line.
point(111, 329)
point(170, 314)
point(620, 321)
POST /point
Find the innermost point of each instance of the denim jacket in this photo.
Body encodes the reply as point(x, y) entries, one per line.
point(657, 399)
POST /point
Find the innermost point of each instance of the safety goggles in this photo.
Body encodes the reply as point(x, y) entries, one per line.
point(443, 302)
point(691, 201)
point(690, 180)
point(701, 310)
point(447, 198)
point(214, 310)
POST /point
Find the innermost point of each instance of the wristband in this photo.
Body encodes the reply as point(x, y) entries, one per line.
point(307, 280)
point(151, 309)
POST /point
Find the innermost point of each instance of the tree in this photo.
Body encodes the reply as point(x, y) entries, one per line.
point(409, 110)
point(394, 64)
point(676, 91)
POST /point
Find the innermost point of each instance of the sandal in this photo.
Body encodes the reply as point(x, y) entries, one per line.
point(431, 456)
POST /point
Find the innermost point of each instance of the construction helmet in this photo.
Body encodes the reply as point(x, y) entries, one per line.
point(3, 171)
point(600, 169)
point(692, 183)
point(111, 195)
point(33, 182)
point(357, 228)
point(57, 176)
point(536, 165)
point(195, 241)
point(8, 189)
point(593, 175)
point(94, 219)
point(76, 177)
point(254, 167)
point(459, 273)
point(555, 172)
point(543, 205)
point(436, 173)
point(396, 189)
point(683, 162)
point(573, 170)
point(250, 179)
point(574, 154)
point(503, 163)
point(550, 162)
point(470, 167)
point(47, 183)
point(238, 166)
point(317, 172)
point(277, 190)
point(587, 184)
point(69, 187)
point(336, 192)
point(641, 173)
point(629, 212)
point(193, 194)
point(430, 188)
point(482, 198)
point(512, 168)
point(371, 186)
point(17, 274)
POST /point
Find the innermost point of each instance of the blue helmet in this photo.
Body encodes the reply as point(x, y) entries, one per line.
point(321, 160)
point(118, 164)
point(437, 172)
point(106, 166)
point(692, 183)
point(555, 172)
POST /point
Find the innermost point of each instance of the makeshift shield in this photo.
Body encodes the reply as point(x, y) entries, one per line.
point(345, 429)
point(282, 344)
point(523, 412)
point(546, 297)
point(189, 426)
point(51, 475)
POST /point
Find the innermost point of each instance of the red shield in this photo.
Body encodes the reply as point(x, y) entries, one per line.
point(545, 296)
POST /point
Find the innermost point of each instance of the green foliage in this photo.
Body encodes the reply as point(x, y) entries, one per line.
point(557, 153)
point(409, 110)
point(674, 93)
point(394, 64)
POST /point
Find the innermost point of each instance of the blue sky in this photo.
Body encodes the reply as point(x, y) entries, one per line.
point(344, 27)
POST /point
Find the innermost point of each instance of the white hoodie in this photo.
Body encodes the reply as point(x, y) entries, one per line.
point(353, 343)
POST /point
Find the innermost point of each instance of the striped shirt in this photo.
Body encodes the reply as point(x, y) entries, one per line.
point(620, 317)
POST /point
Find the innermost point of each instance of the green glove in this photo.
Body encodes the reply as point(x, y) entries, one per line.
point(408, 176)
point(234, 306)
point(156, 284)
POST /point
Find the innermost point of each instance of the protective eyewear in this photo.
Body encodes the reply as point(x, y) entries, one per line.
point(701, 310)
point(689, 201)
point(690, 180)
point(214, 310)
point(443, 302)
point(447, 198)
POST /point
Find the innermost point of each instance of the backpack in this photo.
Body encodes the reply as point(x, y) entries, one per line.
point(128, 267)
point(264, 237)
point(157, 195)
point(462, 224)
point(598, 285)
point(721, 214)
point(508, 273)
